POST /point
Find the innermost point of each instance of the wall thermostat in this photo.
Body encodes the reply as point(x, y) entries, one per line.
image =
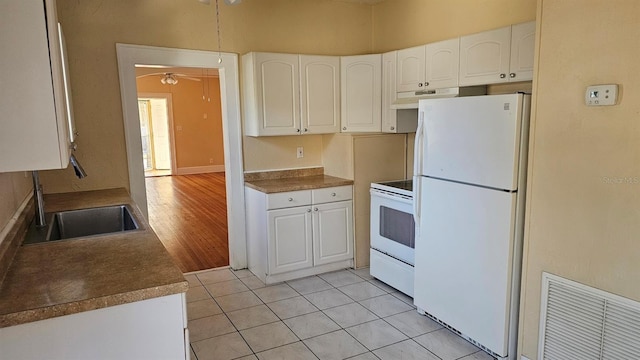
point(601, 95)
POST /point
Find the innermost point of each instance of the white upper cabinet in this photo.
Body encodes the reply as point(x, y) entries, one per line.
point(361, 93)
point(271, 94)
point(484, 57)
point(442, 61)
point(290, 94)
point(35, 130)
point(523, 43)
point(498, 56)
point(427, 67)
point(320, 94)
point(389, 92)
point(411, 69)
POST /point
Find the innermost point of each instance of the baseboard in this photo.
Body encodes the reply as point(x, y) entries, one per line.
point(199, 169)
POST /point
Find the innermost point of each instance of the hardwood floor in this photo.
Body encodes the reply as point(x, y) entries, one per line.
point(189, 214)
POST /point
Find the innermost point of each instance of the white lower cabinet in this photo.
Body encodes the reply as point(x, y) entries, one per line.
point(290, 247)
point(299, 233)
point(147, 329)
point(332, 232)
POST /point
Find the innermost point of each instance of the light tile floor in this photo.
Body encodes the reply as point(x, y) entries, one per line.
point(340, 315)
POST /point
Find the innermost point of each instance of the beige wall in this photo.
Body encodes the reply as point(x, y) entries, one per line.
point(399, 24)
point(200, 138)
point(583, 224)
point(14, 187)
point(92, 27)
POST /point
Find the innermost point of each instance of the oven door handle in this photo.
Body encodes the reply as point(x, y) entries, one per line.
point(400, 198)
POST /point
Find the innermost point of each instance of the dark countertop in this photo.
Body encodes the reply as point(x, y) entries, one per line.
point(70, 276)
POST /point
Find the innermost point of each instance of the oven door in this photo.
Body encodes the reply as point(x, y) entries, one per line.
point(392, 225)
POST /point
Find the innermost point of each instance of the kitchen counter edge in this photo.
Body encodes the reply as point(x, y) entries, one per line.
point(297, 183)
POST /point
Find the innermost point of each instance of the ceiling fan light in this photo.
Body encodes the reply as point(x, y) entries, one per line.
point(169, 79)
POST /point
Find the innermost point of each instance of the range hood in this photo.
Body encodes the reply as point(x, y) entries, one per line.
point(409, 99)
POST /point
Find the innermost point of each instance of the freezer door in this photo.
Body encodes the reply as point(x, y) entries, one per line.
point(463, 259)
point(473, 140)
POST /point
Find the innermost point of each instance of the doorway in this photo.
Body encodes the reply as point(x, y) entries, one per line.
point(156, 122)
point(130, 56)
point(187, 208)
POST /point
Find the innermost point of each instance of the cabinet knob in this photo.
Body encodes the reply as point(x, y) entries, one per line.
point(333, 194)
point(315, 209)
point(344, 128)
point(502, 76)
point(392, 128)
point(419, 84)
point(308, 210)
point(305, 129)
point(297, 130)
point(512, 75)
point(426, 84)
point(290, 199)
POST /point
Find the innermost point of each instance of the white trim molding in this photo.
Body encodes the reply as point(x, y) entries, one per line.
point(131, 55)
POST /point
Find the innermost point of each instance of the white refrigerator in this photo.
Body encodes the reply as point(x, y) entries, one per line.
point(469, 187)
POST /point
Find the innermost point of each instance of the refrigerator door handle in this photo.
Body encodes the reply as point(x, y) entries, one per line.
point(418, 146)
point(417, 168)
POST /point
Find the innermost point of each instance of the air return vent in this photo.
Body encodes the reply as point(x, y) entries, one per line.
point(581, 322)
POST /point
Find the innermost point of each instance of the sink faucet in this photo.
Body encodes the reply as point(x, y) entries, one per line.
point(41, 221)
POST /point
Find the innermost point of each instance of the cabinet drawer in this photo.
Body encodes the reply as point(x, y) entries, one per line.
point(288, 199)
point(331, 194)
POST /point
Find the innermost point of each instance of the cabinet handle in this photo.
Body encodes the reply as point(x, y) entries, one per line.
point(308, 210)
point(297, 130)
point(344, 128)
point(502, 76)
point(316, 209)
point(512, 75)
point(333, 194)
point(419, 84)
point(392, 128)
point(290, 199)
point(305, 129)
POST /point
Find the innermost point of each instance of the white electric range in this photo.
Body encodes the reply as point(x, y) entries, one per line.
point(393, 234)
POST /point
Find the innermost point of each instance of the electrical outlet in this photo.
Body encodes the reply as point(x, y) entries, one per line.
point(300, 152)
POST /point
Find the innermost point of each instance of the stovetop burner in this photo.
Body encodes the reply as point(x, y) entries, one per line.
point(401, 184)
point(402, 187)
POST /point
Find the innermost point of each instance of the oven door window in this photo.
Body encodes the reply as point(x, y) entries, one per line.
point(397, 226)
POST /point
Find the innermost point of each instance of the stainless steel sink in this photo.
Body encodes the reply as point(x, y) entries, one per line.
point(84, 222)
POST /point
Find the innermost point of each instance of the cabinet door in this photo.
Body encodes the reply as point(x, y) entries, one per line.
point(332, 232)
point(289, 241)
point(389, 92)
point(523, 43)
point(320, 94)
point(360, 77)
point(411, 75)
point(34, 132)
point(484, 57)
point(442, 64)
point(275, 102)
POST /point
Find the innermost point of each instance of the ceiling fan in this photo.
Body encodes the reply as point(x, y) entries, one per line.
point(170, 78)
